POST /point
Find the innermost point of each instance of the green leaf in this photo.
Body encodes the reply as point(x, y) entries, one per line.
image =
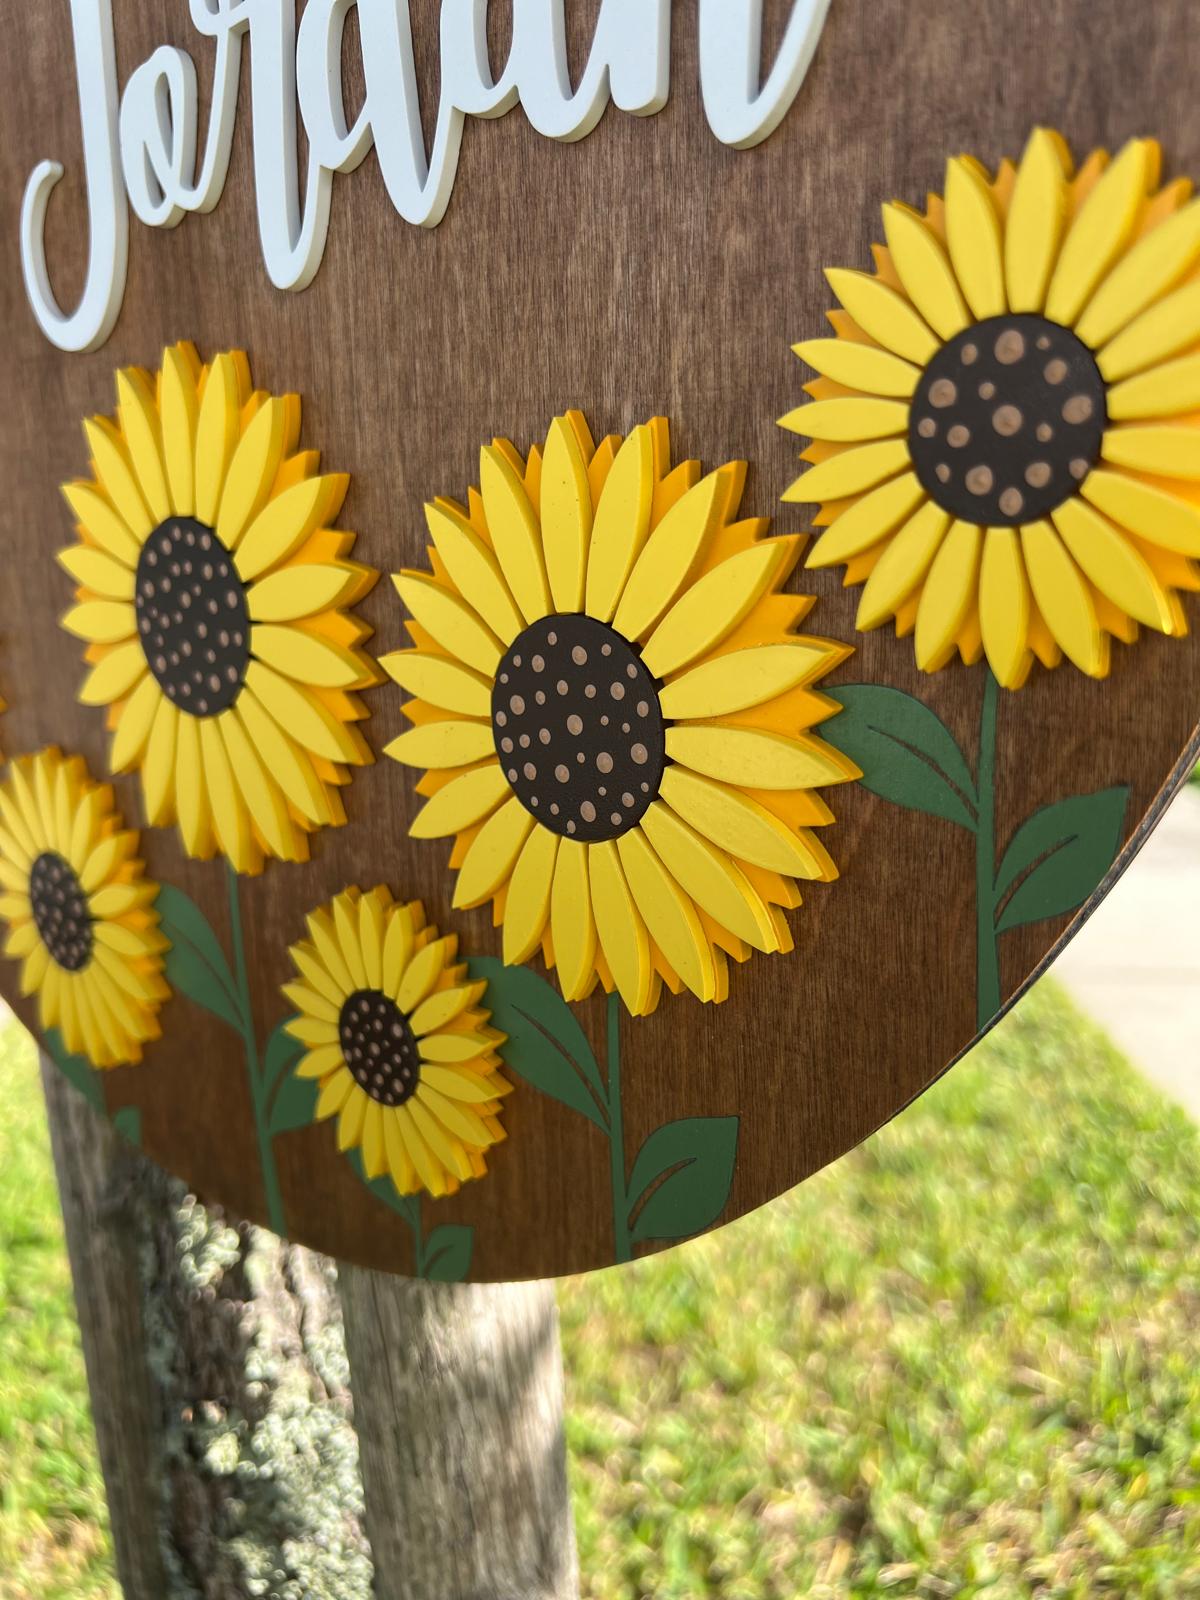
point(694, 1160)
point(295, 1104)
point(195, 964)
point(407, 1206)
point(907, 754)
point(546, 1046)
point(447, 1254)
point(1058, 857)
point(77, 1070)
point(128, 1123)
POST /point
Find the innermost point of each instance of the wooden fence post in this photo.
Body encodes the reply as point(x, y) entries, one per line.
point(459, 1413)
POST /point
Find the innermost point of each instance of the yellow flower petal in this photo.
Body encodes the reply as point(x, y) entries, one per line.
point(252, 470)
point(101, 621)
point(670, 554)
point(884, 315)
point(868, 520)
point(572, 927)
point(757, 758)
point(709, 877)
point(457, 1118)
point(229, 816)
point(473, 570)
point(158, 765)
point(516, 537)
point(1036, 215)
point(133, 730)
point(621, 523)
point(443, 744)
point(468, 1087)
point(860, 366)
point(346, 929)
point(306, 657)
point(287, 521)
point(310, 1003)
point(1152, 267)
point(453, 1049)
point(1164, 391)
point(116, 476)
point(318, 1063)
point(1113, 564)
point(300, 590)
point(423, 971)
point(260, 793)
point(527, 907)
point(973, 235)
point(622, 933)
point(114, 676)
point(1102, 229)
point(566, 516)
point(850, 472)
point(1162, 331)
point(1064, 599)
point(739, 825)
point(292, 767)
point(714, 605)
point(1167, 451)
point(1146, 510)
point(492, 854)
point(398, 944)
point(180, 409)
point(924, 270)
point(440, 682)
point(461, 803)
point(103, 574)
point(453, 624)
point(1004, 607)
point(217, 424)
point(948, 595)
point(848, 421)
point(443, 1006)
point(334, 1095)
point(741, 678)
point(373, 1153)
point(418, 1152)
point(902, 566)
point(102, 524)
point(306, 718)
point(138, 413)
point(350, 1122)
point(669, 914)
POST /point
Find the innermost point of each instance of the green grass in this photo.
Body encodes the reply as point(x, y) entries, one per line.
point(53, 1528)
point(964, 1361)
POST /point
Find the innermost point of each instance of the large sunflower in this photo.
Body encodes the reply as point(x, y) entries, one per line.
point(396, 1037)
point(211, 598)
point(614, 713)
point(80, 912)
point(1008, 421)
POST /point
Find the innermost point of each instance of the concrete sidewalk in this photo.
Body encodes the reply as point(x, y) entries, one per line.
point(1135, 965)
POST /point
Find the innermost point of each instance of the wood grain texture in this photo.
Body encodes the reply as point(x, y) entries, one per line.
point(459, 1415)
point(645, 269)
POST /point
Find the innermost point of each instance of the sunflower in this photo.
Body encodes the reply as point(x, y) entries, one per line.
point(211, 596)
point(80, 913)
point(615, 714)
point(1007, 424)
point(397, 1040)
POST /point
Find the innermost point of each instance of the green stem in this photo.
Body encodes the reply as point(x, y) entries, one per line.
point(987, 987)
point(622, 1244)
point(258, 1089)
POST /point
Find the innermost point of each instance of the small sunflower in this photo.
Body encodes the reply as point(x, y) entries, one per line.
point(1007, 424)
point(396, 1037)
point(80, 912)
point(615, 713)
point(211, 596)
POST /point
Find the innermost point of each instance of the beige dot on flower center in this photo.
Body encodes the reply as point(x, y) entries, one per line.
point(1079, 468)
point(1010, 346)
point(1011, 502)
point(579, 655)
point(1037, 474)
point(958, 436)
point(927, 427)
point(604, 761)
point(979, 479)
point(1078, 408)
point(942, 392)
point(969, 354)
point(987, 391)
point(640, 754)
point(574, 724)
point(1056, 370)
point(587, 811)
point(1006, 420)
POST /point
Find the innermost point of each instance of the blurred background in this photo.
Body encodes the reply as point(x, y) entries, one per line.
point(964, 1360)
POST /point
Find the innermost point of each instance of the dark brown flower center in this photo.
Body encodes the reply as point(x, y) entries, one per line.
point(578, 728)
point(1007, 420)
point(60, 911)
point(379, 1047)
point(192, 616)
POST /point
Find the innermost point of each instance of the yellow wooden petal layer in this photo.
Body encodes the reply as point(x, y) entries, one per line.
point(1064, 600)
point(973, 236)
point(924, 270)
point(1036, 217)
point(1102, 229)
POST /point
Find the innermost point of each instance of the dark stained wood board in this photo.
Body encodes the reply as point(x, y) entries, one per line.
point(644, 270)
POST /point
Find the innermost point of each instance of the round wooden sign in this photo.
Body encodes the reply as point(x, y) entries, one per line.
point(591, 589)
